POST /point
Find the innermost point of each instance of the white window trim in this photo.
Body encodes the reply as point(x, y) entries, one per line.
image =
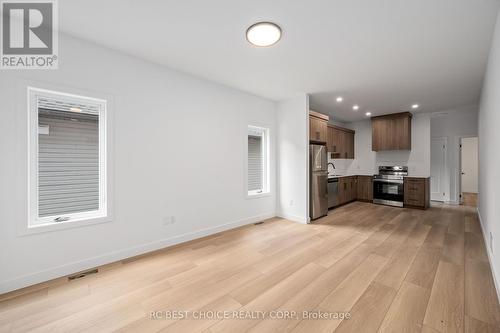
point(36, 224)
point(266, 192)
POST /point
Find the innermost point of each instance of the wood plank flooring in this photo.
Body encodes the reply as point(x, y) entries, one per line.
point(389, 269)
point(469, 199)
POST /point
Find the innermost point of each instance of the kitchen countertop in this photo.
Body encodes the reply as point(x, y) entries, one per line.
point(416, 176)
point(340, 176)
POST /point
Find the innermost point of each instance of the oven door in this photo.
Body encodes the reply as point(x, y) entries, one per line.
point(388, 192)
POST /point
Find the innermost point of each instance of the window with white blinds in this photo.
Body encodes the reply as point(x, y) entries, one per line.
point(258, 169)
point(69, 162)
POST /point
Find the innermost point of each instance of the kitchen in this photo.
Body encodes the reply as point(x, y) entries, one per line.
point(381, 160)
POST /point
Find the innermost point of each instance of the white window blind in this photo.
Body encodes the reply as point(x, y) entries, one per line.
point(255, 163)
point(68, 162)
point(257, 160)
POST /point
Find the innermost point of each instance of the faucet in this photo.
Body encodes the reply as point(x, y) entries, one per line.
point(333, 165)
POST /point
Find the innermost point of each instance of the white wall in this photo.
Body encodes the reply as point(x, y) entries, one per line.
point(179, 146)
point(366, 161)
point(454, 124)
point(293, 157)
point(489, 156)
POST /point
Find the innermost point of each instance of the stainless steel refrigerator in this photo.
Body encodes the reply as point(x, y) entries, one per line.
point(318, 181)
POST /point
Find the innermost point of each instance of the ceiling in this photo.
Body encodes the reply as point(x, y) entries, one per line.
point(383, 55)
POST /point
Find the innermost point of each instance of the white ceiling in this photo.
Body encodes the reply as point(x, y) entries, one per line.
point(383, 55)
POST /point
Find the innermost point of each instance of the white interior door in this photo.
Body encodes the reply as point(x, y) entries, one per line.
point(438, 168)
point(469, 162)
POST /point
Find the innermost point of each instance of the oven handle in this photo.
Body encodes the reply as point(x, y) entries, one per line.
point(393, 181)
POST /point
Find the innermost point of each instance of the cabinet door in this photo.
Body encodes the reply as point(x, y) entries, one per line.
point(350, 145)
point(377, 134)
point(341, 143)
point(365, 188)
point(391, 132)
point(403, 133)
point(414, 192)
point(342, 140)
point(323, 130)
point(318, 129)
point(354, 188)
point(314, 129)
point(343, 188)
point(329, 140)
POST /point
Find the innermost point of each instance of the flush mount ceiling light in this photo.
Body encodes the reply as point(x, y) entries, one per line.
point(368, 114)
point(263, 34)
point(415, 106)
point(355, 107)
point(339, 99)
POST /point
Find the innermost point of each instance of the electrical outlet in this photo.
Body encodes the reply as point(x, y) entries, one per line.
point(291, 202)
point(168, 220)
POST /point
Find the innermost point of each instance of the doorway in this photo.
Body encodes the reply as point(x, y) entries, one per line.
point(469, 171)
point(438, 168)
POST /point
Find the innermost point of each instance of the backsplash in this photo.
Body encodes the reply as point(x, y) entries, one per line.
point(341, 166)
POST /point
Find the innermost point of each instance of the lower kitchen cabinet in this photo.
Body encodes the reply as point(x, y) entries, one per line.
point(365, 188)
point(343, 190)
point(417, 192)
point(348, 189)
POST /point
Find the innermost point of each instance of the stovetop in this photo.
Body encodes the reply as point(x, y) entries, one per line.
point(392, 172)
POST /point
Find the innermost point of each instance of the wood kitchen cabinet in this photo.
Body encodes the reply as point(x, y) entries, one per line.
point(318, 127)
point(353, 190)
point(417, 192)
point(392, 132)
point(343, 190)
point(340, 142)
point(347, 189)
point(365, 188)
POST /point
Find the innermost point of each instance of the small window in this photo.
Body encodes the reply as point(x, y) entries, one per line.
point(258, 160)
point(67, 157)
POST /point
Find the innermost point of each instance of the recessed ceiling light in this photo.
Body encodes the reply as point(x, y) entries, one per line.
point(368, 114)
point(263, 34)
point(355, 107)
point(415, 106)
point(339, 99)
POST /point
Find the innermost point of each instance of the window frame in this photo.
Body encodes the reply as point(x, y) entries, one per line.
point(266, 169)
point(41, 224)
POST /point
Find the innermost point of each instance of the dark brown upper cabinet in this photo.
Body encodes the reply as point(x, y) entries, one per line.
point(392, 132)
point(318, 127)
point(340, 142)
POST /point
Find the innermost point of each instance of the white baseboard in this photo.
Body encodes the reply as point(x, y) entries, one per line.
point(490, 255)
point(67, 269)
point(294, 218)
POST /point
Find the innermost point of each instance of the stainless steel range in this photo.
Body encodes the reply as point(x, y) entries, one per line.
point(388, 185)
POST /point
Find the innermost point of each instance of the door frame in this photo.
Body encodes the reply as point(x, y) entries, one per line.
point(445, 180)
point(459, 171)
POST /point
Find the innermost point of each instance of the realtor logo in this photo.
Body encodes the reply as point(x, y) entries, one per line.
point(29, 35)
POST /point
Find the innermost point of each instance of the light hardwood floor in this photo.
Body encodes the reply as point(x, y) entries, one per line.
point(469, 199)
point(393, 270)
